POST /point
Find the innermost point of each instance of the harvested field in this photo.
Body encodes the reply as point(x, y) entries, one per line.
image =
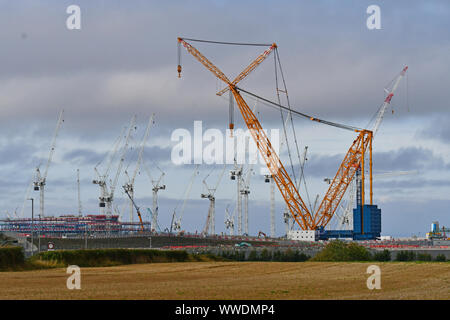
point(234, 280)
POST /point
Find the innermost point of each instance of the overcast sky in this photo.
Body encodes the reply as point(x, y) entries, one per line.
point(123, 62)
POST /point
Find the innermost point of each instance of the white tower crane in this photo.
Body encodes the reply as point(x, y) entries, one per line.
point(110, 196)
point(41, 179)
point(236, 174)
point(268, 178)
point(129, 186)
point(229, 220)
point(79, 193)
point(210, 226)
point(157, 186)
point(176, 219)
point(245, 191)
point(101, 178)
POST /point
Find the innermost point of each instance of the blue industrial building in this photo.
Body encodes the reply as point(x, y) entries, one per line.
point(366, 225)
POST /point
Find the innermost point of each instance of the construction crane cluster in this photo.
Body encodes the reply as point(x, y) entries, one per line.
point(304, 215)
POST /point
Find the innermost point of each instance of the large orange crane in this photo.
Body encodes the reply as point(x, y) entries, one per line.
point(287, 188)
point(353, 160)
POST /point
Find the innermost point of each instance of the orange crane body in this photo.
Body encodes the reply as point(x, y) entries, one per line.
point(347, 170)
point(298, 209)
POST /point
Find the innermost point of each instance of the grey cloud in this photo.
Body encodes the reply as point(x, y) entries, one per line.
point(412, 158)
point(11, 153)
point(439, 129)
point(83, 156)
point(127, 66)
point(414, 183)
point(404, 159)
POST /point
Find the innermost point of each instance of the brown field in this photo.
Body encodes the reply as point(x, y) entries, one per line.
point(234, 280)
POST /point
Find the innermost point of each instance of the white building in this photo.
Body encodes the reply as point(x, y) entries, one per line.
point(303, 235)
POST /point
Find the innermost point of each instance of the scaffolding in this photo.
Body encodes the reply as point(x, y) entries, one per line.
point(72, 225)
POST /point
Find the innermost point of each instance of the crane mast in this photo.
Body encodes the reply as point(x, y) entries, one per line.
point(245, 193)
point(129, 186)
point(156, 187)
point(236, 174)
point(101, 180)
point(41, 180)
point(387, 100)
point(141, 224)
point(229, 221)
point(79, 193)
point(176, 219)
point(210, 227)
point(110, 197)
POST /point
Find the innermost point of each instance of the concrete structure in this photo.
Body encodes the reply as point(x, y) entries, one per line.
point(302, 235)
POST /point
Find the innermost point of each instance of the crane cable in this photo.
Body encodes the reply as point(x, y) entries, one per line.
point(289, 106)
point(282, 118)
point(230, 43)
point(277, 55)
point(272, 103)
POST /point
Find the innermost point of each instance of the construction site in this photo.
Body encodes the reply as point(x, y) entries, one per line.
point(349, 199)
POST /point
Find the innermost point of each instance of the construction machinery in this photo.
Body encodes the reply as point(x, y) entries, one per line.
point(245, 191)
point(346, 215)
point(129, 185)
point(210, 195)
point(80, 210)
point(107, 195)
point(41, 179)
point(437, 233)
point(236, 174)
point(268, 179)
point(177, 217)
point(101, 180)
point(229, 220)
point(141, 224)
point(157, 186)
point(354, 158)
point(156, 227)
point(262, 234)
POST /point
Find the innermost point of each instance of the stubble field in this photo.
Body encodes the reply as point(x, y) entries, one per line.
point(234, 280)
